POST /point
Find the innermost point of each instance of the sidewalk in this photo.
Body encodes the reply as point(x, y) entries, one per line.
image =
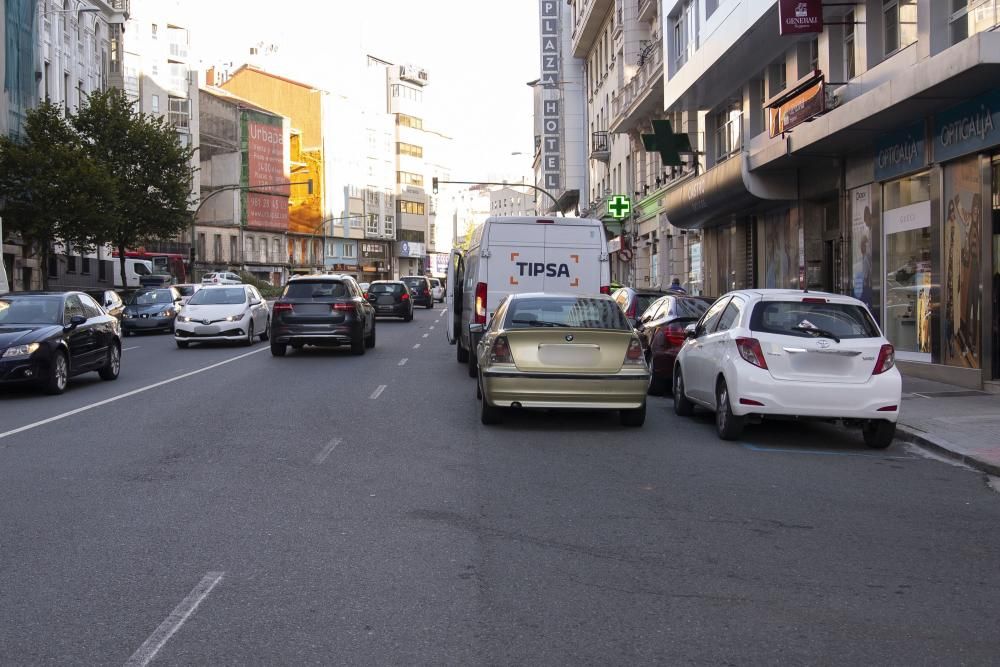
point(955, 422)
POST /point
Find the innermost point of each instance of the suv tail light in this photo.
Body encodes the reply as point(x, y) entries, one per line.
point(634, 355)
point(886, 359)
point(500, 353)
point(345, 306)
point(750, 351)
point(605, 289)
point(281, 307)
point(479, 316)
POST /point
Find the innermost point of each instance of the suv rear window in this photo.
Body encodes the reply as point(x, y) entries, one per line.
point(385, 288)
point(795, 318)
point(315, 289)
point(567, 311)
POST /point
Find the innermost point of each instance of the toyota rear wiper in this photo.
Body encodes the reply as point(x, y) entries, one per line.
point(818, 333)
point(539, 323)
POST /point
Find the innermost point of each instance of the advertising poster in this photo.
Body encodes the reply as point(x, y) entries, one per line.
point(963, 233)
point(264, 165)
point(863, 247)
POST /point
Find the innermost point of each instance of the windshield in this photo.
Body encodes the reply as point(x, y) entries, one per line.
point(385, 288)
point(583, 312)
point(152, 297)
point(141, 269)
point(795, 318)
point(315, 289)
point(414, 283)
point(213, 297)
point(31, 310)
point(185, 290)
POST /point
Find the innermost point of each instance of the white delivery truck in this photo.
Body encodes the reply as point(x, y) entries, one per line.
point(509, 255)
point(135, 269)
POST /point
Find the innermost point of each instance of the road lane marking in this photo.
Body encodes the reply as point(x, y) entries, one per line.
point(119, 397)
point(327, 450)
point(378, 392)
point(134, 347)
point(416, 346)
point(402, 362)
point(431, 326)
point(820, 452)
point(426, 335)
point(145, 653)
point(444, 311)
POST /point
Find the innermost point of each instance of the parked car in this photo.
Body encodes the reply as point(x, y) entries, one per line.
point(391, 298)
point(236, 313)
point(151, 310)
point(221, 278)
point(327, 310)
point(662, 330)
point(109, 300)
point(760, 353)
point(420, 290)
point(635, 302)
point(437, 290)
point(187, 290)
point(47, 337)
point(561, 351)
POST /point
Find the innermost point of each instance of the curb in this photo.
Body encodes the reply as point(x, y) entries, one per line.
point(908, 434)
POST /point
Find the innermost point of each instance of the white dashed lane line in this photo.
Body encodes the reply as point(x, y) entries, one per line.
point(416, 346)
point(426, 335)
point(402, 362)
point(326, 451)
point(134, 347)
point(378, 392)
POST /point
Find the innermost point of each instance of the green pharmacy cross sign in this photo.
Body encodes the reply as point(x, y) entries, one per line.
point(619, 207)
point(667, 143)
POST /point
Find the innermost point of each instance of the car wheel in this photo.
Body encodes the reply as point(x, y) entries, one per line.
point(462, 353)
point(370, 339)
point(182, 344)
point(430, 304)
point(727, 425)
point(489, 414)
point(358, 344)
point(114, 365)
point(878, 433)
point(473, 365)
point(657, 385)
point(267, 330)
point(58, 377)
point(278, 349)
point(682, 406)
point(634, 417)
point(249, 341)
point(408, 317)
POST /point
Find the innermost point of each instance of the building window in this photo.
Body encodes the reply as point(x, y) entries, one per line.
point(814, 54)
point(372, 228)
point(728, 129)
point(409, 178)
point(200, 252)
point(180, 112)
point(409, 121)
point(777, 77)
point(850, 64)
point(710, 7)
point(409, 149)
point(155, 104)
point(411, 207)
point(899, 22)
point(350, 251)
point(154, 31)
point(102, 269)
point(684, 25)
point(85, 265)
point(406, 92)
point(70, 261)
point(971, 16)
point(390, 227)
point(356, 221)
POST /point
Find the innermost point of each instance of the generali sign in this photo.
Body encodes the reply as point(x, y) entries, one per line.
point(796, 17)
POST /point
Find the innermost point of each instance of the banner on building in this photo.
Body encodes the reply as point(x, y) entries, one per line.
point(263, 166)
point(797, 17)
point(795, 109)
point(864, 233)
point(963, 234)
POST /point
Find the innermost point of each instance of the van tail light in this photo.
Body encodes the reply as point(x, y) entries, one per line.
point(405, 296)
point(479, 317)
point(634, 355)
point(605, 289)
point(500, 353)
point(280, 307)
point(886, 359)
point(750, 351)
point(674, 335)
point(348, 306)
point(427, 292)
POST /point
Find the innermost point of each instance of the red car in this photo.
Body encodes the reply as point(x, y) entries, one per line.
point(661, 328)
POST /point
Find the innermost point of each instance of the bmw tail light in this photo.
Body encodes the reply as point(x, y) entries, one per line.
point(500, 352)
point(634, 355)
point(479, 317)
point(886, 359)
point(750, 351)
point(281, 307)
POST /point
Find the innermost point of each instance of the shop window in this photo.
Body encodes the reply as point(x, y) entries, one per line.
point(962, 268)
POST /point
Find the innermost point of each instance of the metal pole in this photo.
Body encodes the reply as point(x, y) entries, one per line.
point(525, 185)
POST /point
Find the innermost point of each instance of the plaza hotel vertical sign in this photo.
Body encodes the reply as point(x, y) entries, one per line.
point(263, 164)
point(551, 79)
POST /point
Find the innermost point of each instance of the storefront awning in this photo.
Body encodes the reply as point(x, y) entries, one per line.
point(711, 198)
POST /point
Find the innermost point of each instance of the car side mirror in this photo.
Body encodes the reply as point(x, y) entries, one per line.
point(255, 302)
point(76, 321)
point(476, 328)
point(691, 331)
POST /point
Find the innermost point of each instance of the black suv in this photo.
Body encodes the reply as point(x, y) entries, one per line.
point(420, 290)
point(391, 298)
point(327, 310)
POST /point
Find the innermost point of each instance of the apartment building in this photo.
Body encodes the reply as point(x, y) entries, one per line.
point(862, 158)
point(509, 201)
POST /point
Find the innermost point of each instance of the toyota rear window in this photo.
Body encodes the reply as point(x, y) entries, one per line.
point(797, 318)
point(315, 289)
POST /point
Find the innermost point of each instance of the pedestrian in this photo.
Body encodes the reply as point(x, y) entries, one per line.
point(675, 286)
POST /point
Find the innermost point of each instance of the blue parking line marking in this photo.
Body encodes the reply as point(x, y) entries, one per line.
point(779, 450)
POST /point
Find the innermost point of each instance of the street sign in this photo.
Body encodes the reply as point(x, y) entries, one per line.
point(4, 285)
point(619, 207)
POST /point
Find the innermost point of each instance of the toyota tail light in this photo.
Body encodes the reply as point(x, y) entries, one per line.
point(282, 307)
point(605, 289)
point(634, 355)
point(479, 317)
point(674, 335)
point(886, 359)
point(750, 351)
point(500, 352)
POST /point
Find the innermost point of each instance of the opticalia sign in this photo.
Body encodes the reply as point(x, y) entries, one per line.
point(900, 152)
point(797, 17)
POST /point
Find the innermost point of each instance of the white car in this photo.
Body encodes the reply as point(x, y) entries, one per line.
point(187, 290)
point(235, 313)
point(221, 278)
point(769, 352)
point(437, 290)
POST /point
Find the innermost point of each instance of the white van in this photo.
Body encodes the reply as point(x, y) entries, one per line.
point(135, 269)
point(510, 255)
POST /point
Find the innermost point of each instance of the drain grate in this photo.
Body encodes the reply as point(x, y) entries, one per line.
point(950, 394)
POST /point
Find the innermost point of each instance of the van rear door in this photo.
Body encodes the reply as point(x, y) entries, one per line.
point(516, 262)
point(452, 295)
point(573, 257)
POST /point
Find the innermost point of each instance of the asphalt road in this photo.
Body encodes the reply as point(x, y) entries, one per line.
point(329, 509)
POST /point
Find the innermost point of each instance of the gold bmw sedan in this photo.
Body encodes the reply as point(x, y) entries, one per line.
point(561, 351)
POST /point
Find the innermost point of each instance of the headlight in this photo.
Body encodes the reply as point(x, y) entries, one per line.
point(169, 312)
point(183, 318)
point(128, 316)
point(21, 351)
point(235, 318)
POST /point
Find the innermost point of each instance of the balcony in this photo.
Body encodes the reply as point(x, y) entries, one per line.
point(643, 94)
point(647, 8)
point(590, 18)
point(600, 146)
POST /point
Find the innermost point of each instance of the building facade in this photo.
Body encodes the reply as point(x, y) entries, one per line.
point(509, 201)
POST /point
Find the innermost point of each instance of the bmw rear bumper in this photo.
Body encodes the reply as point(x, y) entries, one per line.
point(619, 391)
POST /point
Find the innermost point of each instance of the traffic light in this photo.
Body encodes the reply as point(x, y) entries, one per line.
point(434, 184)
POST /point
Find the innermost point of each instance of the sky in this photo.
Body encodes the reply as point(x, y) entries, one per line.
point(479, 56)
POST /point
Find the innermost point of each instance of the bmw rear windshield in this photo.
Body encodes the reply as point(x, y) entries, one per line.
point(797, 318)
point(565, 311)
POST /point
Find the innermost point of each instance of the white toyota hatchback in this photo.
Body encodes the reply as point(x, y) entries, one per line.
point(235, 313)
point(769, 352)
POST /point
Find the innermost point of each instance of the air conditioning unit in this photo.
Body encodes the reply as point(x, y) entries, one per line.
point(413, 74)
